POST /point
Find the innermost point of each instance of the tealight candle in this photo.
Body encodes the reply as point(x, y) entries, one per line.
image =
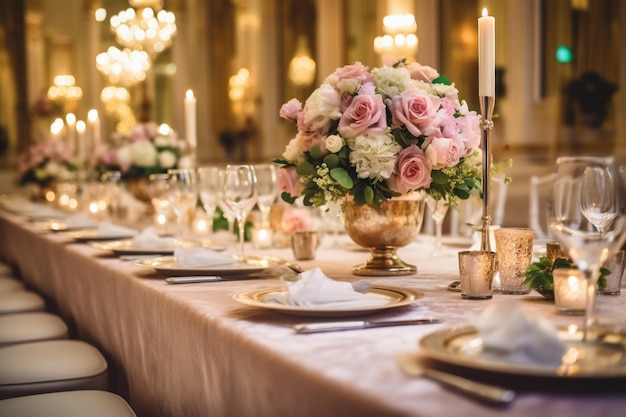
point(262, 238)
point(570, 290)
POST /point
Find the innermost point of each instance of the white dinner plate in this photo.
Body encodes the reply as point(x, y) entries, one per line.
point(167, 265)
point(462, 346)
point(395, 296)
point(128, 247)
point(95, 234)
point(60, 225)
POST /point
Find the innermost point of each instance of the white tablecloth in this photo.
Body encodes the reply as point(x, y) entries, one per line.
point(191, 350)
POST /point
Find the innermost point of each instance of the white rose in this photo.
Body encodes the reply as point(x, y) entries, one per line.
point(52, 168)
point(144, 154)
point(334, 143)
point(321, 107)
point(292, 151)
point(167, 159)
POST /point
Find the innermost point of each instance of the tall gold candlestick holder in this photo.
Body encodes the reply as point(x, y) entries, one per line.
point(487, 104)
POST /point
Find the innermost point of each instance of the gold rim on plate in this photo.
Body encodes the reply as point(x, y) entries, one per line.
point(166, 265)
point(127, 247)
point(462, 346)
point(396, 296)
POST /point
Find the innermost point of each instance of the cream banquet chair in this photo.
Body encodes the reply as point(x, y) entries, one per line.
point(31, 327)
point(10, 284)
point(85, 403)
point(20, 301)
point(51, 366)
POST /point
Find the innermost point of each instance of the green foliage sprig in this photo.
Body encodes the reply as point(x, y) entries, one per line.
point(539, 274)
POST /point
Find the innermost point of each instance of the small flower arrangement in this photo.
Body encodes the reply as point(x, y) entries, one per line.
point(45, 161)
point(539, 275)
point(379, 133)
point(147, 149)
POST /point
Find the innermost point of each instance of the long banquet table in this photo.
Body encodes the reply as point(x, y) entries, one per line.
point(192, 350)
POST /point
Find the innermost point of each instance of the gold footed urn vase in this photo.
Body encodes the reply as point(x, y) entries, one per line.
point(383, 229)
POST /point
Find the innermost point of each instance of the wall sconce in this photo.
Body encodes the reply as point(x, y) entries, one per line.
point(399, 39)
point(302, 66)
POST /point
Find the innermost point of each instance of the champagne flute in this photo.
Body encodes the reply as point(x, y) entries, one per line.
point(240, 195)
point(209, 190)
point(267, 190)
point(589, 185)
point(182, 195)
point(438, 209)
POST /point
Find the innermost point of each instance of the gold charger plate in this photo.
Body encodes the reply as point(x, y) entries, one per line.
point(462, 346)
point(396, 297)
point(127, 247)
point(167, 265)
point(90, 235)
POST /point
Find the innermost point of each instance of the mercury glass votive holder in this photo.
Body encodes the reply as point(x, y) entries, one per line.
point(514, 254)
point(476, 270)
point(615, 264)
point(570, 291)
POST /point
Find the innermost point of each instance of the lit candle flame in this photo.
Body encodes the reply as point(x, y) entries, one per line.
point(485, 13)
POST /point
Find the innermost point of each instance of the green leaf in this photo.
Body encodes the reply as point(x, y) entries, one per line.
point(305, 168)
point(368, 194)
point(287, 198)
point(439, 177)
point(316, 152)
point(331, 161)
point(342, 177)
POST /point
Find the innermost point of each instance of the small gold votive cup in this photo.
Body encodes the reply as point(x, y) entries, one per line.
point(615, 264)
point(554, 251)
point(304, 245)
point(476, 270)
point(514, 254)
point(570, 291)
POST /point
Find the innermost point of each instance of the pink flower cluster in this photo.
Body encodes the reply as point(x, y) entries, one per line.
point(397, 124)
point(44, 160)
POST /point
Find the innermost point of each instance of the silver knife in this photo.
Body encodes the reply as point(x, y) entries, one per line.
point(192, 279)
point(357, 324)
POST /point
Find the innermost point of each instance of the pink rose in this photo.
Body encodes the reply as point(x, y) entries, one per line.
point(365, 114)
point(357, 71)
point(290, 109)
point(288, 180)
point(412, 171)
point(417, 111)
point(296, 220)
point(422, 72)
point(444, 152)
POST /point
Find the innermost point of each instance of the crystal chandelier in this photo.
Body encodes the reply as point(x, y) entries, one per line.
point(125, 67)
point(399, 38)
point(149, 28)
point(302, 66)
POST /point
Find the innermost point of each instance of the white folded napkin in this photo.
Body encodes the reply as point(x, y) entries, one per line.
point(197, 257)
point(314, 289)
point(150, 239)
point(109, 229)
point(79, 220)
point(506, 328)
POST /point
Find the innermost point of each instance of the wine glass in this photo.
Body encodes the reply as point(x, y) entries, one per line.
point(240, 195)
point(182, 195)
point(438, 209)
point(586, 214)
point(209, 190)
point(158, 186)
point(267, 190)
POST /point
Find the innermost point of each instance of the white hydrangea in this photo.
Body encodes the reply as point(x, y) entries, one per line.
point(392, 81)
point(292, 151)
point(374, 155)
point(124, 156)
point(322, 106)
point(143, 154)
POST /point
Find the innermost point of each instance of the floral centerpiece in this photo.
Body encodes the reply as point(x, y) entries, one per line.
point(147, 149)
point(46, 161)
point(379, 133)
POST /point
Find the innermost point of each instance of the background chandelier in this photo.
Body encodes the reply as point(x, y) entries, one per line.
point(399, 38)
point(302, 66)
point(125, 67)
point(150, 28)
point(64, 88)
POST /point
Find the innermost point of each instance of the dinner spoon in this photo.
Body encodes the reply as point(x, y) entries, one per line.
point(484, 392)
